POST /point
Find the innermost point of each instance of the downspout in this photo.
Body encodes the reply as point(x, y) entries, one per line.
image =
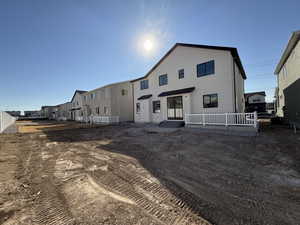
point(133, 110)
point(234, 85)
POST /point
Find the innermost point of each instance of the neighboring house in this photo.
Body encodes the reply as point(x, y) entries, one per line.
point(255, 101)
point(63, 111)
point(113, 100)
point(190, 79)
point(48, 112)
point(77, 105)
point(32, 113)
point(270, 107)
point(288, 84)
point(14, 113)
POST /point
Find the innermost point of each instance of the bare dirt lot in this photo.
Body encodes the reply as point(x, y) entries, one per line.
point(133, 174)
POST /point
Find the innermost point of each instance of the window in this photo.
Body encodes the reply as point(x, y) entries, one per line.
point(210, 101)
point(124, 92)
point(181, 74)
point(156, 106)
point(138, 107)
point(207, 68)
point(105, 110)
point(144, 84)
point(93, 95)
point(163, 80)
point(98, 110)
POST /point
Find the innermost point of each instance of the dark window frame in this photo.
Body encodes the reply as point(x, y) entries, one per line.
point(138, 107)
point(181, 74)
point(204, 69)
point(211, 104)
point(144, 84)
point(98, 110)
point(162, 81)
point(156, 106)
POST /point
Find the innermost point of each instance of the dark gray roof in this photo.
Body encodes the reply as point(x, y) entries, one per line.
point(176, 92)
point(144, 97)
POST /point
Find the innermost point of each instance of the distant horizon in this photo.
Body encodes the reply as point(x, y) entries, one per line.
point(51, 48)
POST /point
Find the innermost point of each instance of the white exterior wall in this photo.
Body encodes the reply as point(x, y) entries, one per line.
point(77, 103)
point(289, 73)
point(187, 58)
point(111, 98)
point(6, 121)
point(240, 91)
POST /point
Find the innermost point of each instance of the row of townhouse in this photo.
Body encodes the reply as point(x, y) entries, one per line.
point(188, 79)
point(287, 93)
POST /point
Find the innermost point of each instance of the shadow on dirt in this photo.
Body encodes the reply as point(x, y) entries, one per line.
point(226, 180)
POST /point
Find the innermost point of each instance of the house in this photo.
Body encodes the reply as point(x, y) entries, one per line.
point(48, 112)
point(113, 100)
point(255, 101)
point(77, 105)
point(288, 81)
point(32, 113)
point(188, 79)
point(270, 107)
point(63, 111)
point(14, 113)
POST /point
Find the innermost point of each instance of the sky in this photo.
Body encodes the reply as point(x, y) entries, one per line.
point(50, 48)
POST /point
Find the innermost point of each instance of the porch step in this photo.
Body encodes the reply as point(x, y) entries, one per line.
point(171, 124)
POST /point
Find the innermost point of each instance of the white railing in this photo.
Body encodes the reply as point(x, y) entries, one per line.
point(223, 119)
point(104, 119)
point(79, 118)
point(6, 121)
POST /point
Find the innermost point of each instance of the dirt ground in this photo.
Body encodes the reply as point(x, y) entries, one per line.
point(134, 174)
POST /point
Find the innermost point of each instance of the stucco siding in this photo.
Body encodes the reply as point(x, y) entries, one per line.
point(187, 58)
point(288, 74)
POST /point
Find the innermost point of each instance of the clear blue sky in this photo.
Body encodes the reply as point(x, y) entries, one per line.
point(50, 48)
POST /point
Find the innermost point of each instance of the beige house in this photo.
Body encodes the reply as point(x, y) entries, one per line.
point(287, 71)
point(77, 105)
point(63, 111)
point(113, 100)
point(190, 79)
point(288, 82)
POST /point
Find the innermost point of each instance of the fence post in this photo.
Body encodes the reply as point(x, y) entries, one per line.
point(255, 119)
point(203, 119)
point(226, 116)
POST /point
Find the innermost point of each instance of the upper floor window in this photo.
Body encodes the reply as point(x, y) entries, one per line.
point(124, 92)
point(93, 95)
point(210, 101)
point(163, 80)
point(206, 68)
point(144, 84)
point(181, 74)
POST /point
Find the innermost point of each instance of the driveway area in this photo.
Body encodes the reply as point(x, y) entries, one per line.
point(141, 174)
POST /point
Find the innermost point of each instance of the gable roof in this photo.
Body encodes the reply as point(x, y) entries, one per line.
point(233, 51)
point(79, 92)
point(288, 50)
point(255, 93)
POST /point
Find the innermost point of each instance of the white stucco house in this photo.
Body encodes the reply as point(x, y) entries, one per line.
point(77, 105)
point(287, 93)
point(188, 79)
point(113, 100)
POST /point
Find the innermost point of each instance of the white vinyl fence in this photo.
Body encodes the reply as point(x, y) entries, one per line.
point(222, 119)
point(6, 120)
point(104, 119)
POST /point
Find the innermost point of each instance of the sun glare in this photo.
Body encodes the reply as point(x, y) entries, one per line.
point(148, 45)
